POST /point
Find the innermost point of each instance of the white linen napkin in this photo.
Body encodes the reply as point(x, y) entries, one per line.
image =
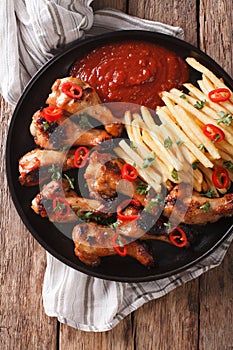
point(29, 30)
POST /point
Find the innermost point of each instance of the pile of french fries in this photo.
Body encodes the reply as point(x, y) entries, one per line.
point(163, 151)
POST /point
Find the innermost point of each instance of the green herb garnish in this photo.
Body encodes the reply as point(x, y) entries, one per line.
point(229, 165)
point(205, 207)
point(59, 206)
point(115, 224)
point(156, 201)
point(225, 118)
point(45, 126)
point(175, 175)
point(142, 188)
point(70, 180)
point(84, 122)
point(195, 165)
point(168, 142)
point(183, 96)
point(179, 142)
point(132, 146)
point(209, 194)
point(200, 104)
point(148, 161)
point(55, 171)
point(168, 227)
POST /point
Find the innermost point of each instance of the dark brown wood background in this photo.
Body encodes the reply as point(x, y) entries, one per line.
point(197, 315)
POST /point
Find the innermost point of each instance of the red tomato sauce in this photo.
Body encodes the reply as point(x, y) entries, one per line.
point(131, 71)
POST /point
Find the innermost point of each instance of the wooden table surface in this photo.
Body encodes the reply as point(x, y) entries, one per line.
point(197, 315)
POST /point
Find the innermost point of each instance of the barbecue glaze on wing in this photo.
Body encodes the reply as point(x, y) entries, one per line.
point(89, 101)
point(93, 241)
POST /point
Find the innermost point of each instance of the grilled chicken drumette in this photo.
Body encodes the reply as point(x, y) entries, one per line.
point(43, 203)
point(199, 210)
point(93, 241)
point(89, 98)
point(64, 131)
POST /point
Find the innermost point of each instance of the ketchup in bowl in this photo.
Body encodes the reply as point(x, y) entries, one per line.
point(131, 71)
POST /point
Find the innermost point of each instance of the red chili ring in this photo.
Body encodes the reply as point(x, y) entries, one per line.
point(219, 95)
point(72, 90)
point(220, 178)
point(122, 251)
point(129, 172)
point(180, 239)
point(214, 133)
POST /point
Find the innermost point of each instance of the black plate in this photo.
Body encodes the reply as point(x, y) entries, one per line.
point(170, 260)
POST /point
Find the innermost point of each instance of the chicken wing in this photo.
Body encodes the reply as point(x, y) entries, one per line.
point(42, 204)
point(88, 99)
point(63, 132)
point(34, 166)
point(200, 210)
point(93, 241)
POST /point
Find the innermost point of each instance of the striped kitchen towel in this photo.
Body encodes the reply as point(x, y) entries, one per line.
point(30, 31)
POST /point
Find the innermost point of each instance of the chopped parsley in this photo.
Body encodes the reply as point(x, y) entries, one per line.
point(201, 147)
point(229, 165)
point(175, 175)
point(70, 180)
point(179, 142)
point(148, 161)
point(142, 188)
point(200, 104)
point(84, 122)
point(225, 118)
point(183, 96)
point(205, 207)
point(45, 125)
point(132, 146)
point(59, 207)
point(156, 201)
point(55, 171)
point(64, 148)
point(209, 194)
point(168, 227)
point(115, 224)
point(195, 165)
point(168, 142)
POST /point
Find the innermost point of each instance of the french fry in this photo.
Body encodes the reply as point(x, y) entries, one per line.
point(188, 143)
point(200, 68)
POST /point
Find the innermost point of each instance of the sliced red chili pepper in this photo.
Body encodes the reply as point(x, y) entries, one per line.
point(72, 90)
point(178, 237)
point(61, 207)
point(128, 172)
point(52, 113)
point(120, 214)
point(80, 157)
point(220, 178)
point(214, 133)
point(120, 249)
point(219, 95)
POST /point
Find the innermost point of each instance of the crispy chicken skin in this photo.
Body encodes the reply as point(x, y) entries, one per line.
point(64, 132)
point(34, 165)
point(88, 99)
point(196, 214)
point(93, 241)
point(42, 203)
point(103, 176)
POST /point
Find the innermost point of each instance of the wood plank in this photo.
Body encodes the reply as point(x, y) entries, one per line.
point(170, 322)
point(216, 292)
point(216, 305)
point(23, 324)
point(180, 13)
point(119, 338)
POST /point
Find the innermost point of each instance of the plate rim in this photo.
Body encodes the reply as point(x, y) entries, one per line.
point(64, 51)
